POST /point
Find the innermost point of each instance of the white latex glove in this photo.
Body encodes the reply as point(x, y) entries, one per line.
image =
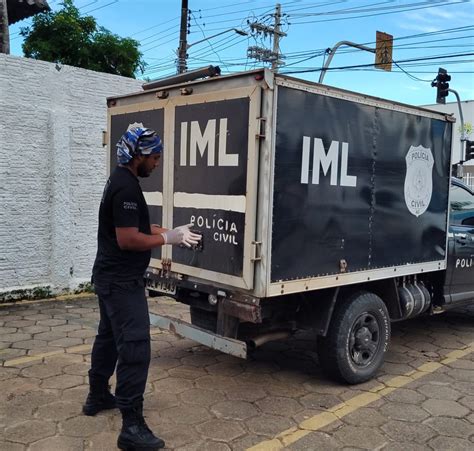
point(181, 235)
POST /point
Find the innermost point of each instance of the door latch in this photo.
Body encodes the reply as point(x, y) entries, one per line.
point(256, 251)
point(261, 127)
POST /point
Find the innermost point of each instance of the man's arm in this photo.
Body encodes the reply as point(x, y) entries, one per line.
point(157, 229)
point(130, 239)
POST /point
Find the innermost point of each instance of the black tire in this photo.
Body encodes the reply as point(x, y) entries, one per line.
point(203, 319)
point(357, 339)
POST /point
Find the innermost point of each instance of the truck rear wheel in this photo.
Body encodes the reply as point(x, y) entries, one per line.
point(357, 339)
point(203, 319)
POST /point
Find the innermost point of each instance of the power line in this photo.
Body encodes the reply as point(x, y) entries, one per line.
point(400, 46)
point(361, 8)
point(155, 26)
point(409, 75)
point(221, 45)
point(173, 27)
point(89, 4)
point(101, 7)
point(241, 10)
point(220, 7)
point(368, 65)
point(158, 45)
point(17, 35)
point(208, 41)
point(430, 5)
point(316, 52)
point(395, 72)
point(234, 12)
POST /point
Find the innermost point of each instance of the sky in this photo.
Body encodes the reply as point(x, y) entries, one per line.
point(428, 34)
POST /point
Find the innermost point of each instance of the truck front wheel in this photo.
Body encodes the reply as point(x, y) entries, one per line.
point(358, 337)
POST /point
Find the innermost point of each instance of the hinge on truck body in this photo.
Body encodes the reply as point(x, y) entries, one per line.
point(256, 251)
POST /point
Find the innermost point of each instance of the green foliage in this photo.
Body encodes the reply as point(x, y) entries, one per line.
point(67, 37)
point(85, 287)
point(42, 292)
point(467, 129)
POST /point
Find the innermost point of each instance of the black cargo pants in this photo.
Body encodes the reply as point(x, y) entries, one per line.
point(123, 339)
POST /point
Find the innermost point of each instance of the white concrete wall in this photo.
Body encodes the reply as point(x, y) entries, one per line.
point(52, 170)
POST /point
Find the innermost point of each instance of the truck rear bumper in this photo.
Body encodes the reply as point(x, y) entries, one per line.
point(230, 346)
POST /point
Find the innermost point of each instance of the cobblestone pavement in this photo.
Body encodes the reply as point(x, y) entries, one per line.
point(200, 399)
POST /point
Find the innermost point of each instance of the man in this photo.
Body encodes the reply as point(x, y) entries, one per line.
point(125, 239)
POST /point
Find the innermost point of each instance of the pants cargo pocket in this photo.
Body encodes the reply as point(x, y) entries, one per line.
point(128, 285)
point(135, 347)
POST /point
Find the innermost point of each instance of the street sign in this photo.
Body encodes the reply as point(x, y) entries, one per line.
point(383, 51)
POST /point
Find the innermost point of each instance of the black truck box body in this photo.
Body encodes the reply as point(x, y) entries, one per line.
point(294, 185)
point(358, 210)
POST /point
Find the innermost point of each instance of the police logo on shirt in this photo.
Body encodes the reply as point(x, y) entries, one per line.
point(130, 205)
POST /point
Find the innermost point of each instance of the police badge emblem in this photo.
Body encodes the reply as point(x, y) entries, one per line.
point(418, 179)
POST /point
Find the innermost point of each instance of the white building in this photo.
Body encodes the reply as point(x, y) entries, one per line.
point(468, 114)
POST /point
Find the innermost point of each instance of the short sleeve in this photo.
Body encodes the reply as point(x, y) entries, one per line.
point(125, 208)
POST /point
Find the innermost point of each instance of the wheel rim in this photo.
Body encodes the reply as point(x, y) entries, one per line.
point(364, 340)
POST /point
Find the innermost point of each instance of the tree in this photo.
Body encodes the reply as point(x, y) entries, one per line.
point(67, 37)
point(467, 129)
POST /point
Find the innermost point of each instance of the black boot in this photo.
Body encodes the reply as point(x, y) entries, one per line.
point(135, 434)
point(98, 399)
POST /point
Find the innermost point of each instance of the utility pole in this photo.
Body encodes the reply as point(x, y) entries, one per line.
point(276, 38)
point(183, 45)
point(4, 32)
point(263, 54)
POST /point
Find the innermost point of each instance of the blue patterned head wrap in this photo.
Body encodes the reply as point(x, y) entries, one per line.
point(138, 141)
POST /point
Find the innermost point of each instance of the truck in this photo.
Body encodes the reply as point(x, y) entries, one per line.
point(319, 208)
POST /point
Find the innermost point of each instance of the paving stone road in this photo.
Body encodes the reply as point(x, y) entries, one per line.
point(200, 399)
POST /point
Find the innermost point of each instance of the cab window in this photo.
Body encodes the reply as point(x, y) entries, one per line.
point(462, 206)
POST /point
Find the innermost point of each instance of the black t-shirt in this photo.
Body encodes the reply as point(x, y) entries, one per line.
point(122, 205)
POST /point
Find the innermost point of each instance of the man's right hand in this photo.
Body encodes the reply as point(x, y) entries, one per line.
point(181, 235)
